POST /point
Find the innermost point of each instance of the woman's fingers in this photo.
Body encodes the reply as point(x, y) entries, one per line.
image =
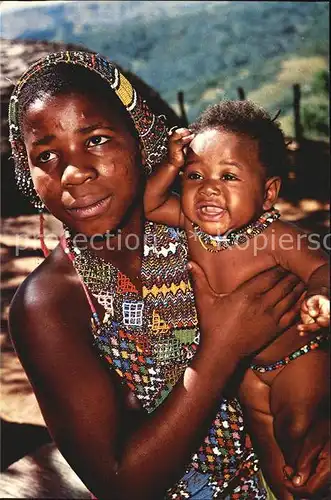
point(312, 470)
point(311, 481)
point(264, 281)
point(200, 282)
point(312, 327)
point(286, 309)
point(284, 294)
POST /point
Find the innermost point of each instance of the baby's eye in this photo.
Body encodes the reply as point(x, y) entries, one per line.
point(194, 176)
point(46, 156)
point(229, 177)
point(97, 140)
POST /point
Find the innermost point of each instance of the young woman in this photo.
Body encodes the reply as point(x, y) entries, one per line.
point(116, 293)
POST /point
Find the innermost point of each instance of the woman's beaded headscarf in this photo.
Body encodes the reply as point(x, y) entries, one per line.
point(151, 129)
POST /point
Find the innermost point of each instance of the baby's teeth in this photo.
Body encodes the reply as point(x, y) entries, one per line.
point(211, 210)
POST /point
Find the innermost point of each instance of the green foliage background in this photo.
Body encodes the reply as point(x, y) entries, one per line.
point(206, 49)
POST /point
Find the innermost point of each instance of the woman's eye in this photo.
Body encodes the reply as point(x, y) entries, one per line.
point(46, 156)
point(97, 140)
point(229, 177)
point(194, 176)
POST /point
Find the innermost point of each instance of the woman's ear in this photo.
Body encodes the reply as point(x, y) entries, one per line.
point(271, 190)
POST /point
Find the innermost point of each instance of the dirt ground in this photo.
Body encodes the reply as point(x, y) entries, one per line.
point(18, 403)
point(22, 425)
point(20, 254)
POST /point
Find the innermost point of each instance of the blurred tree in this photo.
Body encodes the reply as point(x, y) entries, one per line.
point(321, 83)
point(315, 118)
point(315, 112)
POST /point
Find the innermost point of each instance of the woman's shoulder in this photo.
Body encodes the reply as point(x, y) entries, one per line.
point(50, 292)
point(49, 279)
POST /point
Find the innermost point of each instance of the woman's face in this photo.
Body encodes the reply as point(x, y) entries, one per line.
point(84, 161)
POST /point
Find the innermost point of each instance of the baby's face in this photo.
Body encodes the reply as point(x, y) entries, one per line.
point(223, 181)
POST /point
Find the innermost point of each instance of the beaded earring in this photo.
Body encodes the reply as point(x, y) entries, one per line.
point(43, 245)
point(23, 178)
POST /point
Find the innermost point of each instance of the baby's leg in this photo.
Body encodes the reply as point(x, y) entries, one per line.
point(255, 398)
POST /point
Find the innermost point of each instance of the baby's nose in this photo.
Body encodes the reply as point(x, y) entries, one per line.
point(211, 187)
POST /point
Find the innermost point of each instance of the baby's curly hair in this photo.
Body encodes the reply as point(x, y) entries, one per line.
point(247, 118)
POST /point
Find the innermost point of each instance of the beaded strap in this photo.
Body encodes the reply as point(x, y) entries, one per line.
point(71, 257)
point(313, 344)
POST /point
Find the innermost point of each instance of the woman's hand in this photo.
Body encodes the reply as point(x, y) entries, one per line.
point(311, 477)
point(252, 315)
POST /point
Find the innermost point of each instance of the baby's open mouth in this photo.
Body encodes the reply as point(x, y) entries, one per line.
point(211, 210)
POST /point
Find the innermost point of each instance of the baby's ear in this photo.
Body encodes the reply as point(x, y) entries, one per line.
point(271, 190)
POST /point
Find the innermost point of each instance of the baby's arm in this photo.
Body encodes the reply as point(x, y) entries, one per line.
point(301, 254)
point(160, 203)
point(315, 309)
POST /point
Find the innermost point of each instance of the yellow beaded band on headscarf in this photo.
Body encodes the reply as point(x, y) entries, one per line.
point(151, 129)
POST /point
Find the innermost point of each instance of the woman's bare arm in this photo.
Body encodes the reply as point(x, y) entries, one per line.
point(78, 398)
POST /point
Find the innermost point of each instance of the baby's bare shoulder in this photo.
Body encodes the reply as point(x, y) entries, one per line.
point(283, 230)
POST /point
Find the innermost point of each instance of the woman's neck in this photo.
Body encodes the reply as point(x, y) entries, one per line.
point(126, 249)
point(123, 248)
point(125, 241)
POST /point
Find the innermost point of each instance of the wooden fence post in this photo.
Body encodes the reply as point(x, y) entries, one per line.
point(241, 93)
point(183, 115)
point(298, 132)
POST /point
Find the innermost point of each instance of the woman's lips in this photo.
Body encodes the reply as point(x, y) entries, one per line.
point(210, 213)
point(92, 210)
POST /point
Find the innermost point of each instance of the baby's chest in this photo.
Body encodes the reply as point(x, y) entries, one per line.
point(232, 267)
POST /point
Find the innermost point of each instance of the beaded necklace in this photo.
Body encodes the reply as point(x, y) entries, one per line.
point(238, 236)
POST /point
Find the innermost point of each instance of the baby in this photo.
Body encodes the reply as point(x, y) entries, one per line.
point(230, 161)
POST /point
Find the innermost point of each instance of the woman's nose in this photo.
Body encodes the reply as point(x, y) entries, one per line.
point(74, 175)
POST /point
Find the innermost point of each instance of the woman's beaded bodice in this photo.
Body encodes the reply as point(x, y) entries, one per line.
point(149, 340)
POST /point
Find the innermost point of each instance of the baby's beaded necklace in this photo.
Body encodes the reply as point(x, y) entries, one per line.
point(238, 236)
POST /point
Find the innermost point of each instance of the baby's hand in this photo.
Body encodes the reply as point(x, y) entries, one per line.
point(315, 314)
point(178, 139)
